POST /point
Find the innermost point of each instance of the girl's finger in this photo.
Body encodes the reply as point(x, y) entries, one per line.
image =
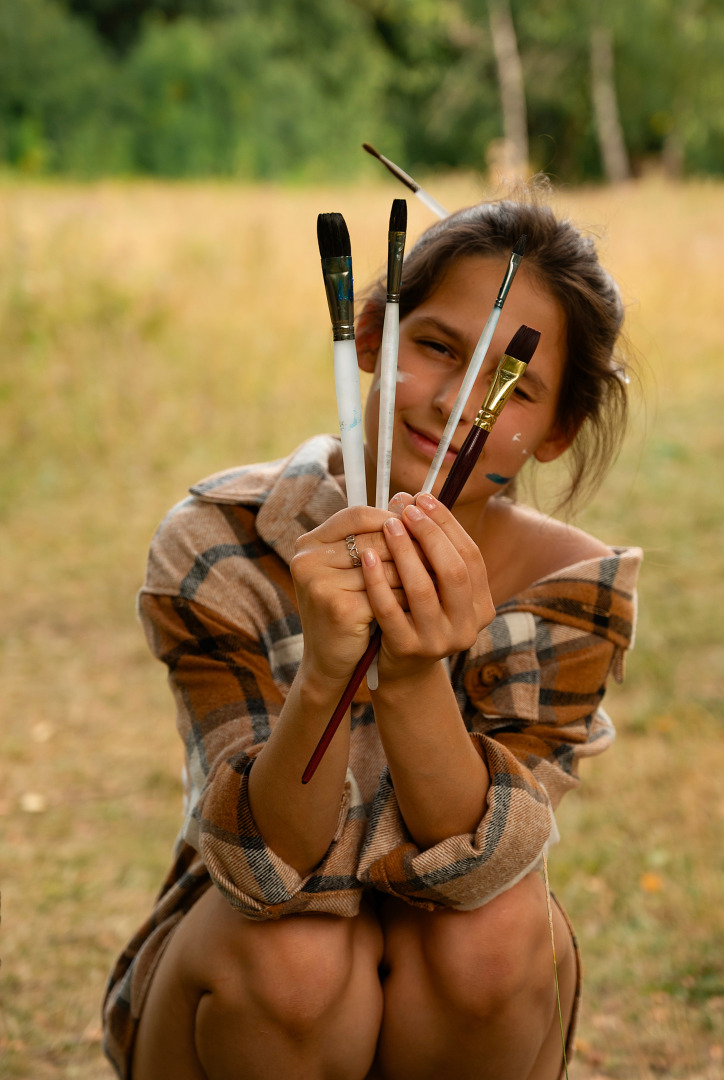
point(388, 605)
point(414, 575)
point(459, 538)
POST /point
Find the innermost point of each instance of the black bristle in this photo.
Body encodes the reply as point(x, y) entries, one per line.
point(523, 344)
point(333, 236)
point(398, 215)
point(371, 150)
point(519, 248)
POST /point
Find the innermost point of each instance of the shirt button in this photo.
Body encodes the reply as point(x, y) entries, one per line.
point(491, 674)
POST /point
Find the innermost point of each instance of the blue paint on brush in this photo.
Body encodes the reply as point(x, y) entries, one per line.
point(497, 478)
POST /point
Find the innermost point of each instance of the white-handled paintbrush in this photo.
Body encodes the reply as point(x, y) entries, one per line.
point(388, 369)
point(336, 252)
point(389, 349)
point(476, 362)
point(424, 196)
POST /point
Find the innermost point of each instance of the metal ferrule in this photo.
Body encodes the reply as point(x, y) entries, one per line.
point(337, 272)
point(504, 383)
point(395, 254)
point(514, 263)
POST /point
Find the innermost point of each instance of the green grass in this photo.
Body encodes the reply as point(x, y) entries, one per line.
point(137, 346)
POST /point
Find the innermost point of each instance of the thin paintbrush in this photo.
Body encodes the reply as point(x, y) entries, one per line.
point(407, 180)
point(389, 350)
point(476, 362)
point(336, 252)
point(509, 372)
point(388, 366)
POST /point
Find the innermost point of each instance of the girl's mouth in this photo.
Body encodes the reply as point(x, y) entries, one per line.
point(427, 446)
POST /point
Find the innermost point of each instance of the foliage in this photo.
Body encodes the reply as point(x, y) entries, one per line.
point(244, 88)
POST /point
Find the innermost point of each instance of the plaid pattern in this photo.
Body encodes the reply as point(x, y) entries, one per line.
point(218, 608)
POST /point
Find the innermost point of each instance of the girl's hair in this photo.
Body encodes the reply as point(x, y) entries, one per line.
point(593, 398)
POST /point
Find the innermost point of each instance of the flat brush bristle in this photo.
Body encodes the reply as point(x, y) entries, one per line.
point(398, 216)
point(333, 236)
point(523, 344)
point(519, 248)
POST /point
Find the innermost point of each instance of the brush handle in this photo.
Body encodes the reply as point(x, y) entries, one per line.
point(349, 411)
point(388, 386)
point(431, 204)
point(463, 465)
point(460, 471)
point(344, 703)
point(476, 362)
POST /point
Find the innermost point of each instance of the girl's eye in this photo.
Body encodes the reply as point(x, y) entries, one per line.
point(522, 394)
point(437, 347)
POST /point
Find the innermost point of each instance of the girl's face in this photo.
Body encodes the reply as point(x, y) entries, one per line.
point(437, 340)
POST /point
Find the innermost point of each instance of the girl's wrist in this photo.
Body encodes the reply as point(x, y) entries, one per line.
point(393, 689)
point(317, 685)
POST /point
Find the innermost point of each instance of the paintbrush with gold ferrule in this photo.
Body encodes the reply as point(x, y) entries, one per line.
point(424, 196)
point(508, 374)
point(336, 253)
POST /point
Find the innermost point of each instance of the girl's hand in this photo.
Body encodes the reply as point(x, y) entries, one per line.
point(333, 603)
point(445, 585)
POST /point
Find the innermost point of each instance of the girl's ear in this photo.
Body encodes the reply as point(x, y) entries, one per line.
point(555, 443)
point(368, 337)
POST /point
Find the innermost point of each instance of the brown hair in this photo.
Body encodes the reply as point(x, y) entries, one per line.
point(593, 399)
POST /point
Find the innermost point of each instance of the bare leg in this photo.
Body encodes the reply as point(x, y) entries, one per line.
point(298, 997)
point(472, 994)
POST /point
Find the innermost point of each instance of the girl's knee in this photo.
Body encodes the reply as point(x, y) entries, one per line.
point(294, 970)
point(482, 961)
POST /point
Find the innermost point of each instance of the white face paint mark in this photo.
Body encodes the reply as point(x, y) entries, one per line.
point(525, 451)
point(400, 377)
point(516, 437)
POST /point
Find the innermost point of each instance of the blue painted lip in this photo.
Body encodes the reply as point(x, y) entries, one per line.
point(497, 478)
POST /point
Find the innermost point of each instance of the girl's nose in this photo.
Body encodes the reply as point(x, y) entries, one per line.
point(447, 392)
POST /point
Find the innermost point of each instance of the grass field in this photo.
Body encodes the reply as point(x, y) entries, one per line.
point(140, 352)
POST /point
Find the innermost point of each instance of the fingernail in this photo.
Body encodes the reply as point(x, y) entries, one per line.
point(396, 504)
point(368, 557)
point(427, 502)
point(394, 526)
point(414, 513)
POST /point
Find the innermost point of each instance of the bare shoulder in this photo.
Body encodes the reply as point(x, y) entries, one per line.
point(555, 543)
point(543, 546)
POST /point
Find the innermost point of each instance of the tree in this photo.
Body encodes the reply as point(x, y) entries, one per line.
point(512, 86)
point(605, 107)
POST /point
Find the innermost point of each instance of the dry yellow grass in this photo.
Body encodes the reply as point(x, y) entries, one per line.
point(141, 350)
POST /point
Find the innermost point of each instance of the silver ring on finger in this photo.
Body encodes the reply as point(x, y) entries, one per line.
point(351, 543)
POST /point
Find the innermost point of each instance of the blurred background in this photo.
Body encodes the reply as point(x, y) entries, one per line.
point(162, 165)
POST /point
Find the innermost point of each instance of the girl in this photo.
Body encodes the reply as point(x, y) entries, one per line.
point(388, 919)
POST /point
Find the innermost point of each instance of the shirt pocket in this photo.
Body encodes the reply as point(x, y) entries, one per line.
point(502, 672)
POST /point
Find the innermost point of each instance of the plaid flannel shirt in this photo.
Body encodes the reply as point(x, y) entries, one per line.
point(219, 609)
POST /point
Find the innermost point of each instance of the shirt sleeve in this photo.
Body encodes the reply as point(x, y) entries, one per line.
point(532, 695)
point(227, 703)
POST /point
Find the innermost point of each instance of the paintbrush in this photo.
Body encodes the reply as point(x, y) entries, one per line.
point(476, 362)
point(389, 349)
point(336, 252)
point(510, 370)
point(424, 196)
point(388, 367)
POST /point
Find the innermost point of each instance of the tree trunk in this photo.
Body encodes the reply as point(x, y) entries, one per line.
point(605, 108)
point(512, 87)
